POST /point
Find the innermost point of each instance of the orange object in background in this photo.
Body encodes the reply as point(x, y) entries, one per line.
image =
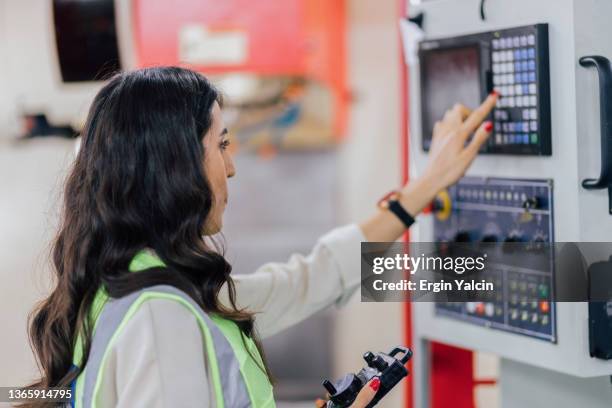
point(267, 37)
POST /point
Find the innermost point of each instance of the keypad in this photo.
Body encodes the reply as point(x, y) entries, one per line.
point(515, 79)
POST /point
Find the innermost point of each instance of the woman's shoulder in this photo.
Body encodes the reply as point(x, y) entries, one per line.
point(157, 316)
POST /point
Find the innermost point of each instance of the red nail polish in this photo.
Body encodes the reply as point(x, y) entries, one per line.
point(494, 93)
point(375, 384)
point(488, 126)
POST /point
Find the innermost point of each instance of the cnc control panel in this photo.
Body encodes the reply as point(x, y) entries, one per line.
point(514, 62)
point(496, 210)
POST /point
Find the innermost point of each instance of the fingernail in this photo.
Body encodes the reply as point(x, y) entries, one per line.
point(488, 126)
point(375, 384)
point(494, 93)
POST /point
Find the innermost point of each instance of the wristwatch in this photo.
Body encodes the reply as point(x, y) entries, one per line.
point(391, 202)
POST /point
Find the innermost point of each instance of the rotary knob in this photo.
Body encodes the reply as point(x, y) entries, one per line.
point(442, 206)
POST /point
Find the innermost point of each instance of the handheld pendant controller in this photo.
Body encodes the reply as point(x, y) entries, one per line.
point(389, 369)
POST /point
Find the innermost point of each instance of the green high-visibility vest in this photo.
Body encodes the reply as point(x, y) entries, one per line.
point(238, 380)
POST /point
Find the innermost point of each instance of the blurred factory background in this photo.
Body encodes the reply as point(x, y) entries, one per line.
point(312, 103)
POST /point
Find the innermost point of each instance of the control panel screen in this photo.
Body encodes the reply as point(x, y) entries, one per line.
point(453, 75)
point(514, 62)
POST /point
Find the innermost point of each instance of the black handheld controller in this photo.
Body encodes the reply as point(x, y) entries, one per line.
point(388, 368)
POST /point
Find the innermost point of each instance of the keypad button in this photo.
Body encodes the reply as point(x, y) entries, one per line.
point(518, 89)
point(524, 54)
point(509, 56)
point(511, 101)
point(532, 88)
point(532, 77)
point(527, 101)
point(534, 138)
point(526, 115)
point(517, 66)
point(519, 101)
point(510, 79)
point(544, 306)
point(531, 53)
point(533, 100)
point(516, 42)
point(524, 66)
point(544, 320)
point(518, 78)
point(509, 67)
point(517, 54)
point(533, 114)
point(496, 68)
point(525, 126)
point(495, 57)
point(510, 90)
point(525, 138)
point(525, 89)
point(498, 139)
point(531, 65)
point(523, 41)
point(498, 127)
point(495, 79)
point(531, 39)
point(495, 44)
point(533, 126)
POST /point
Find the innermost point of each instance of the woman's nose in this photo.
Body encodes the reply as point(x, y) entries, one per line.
point(231, 170)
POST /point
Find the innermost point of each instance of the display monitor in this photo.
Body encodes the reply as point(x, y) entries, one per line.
point(86, 39)
point(451, 76)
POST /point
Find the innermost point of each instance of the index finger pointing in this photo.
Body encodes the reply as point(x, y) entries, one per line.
point(479, 115)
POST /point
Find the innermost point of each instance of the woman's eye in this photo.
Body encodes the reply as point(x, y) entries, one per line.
point(225, 144)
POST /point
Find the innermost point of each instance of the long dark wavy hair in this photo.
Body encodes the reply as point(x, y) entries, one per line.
point(138, 182)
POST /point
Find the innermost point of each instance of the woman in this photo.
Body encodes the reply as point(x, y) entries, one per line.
point(134, 259)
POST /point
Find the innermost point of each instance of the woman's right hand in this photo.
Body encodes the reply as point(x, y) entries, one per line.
point(451, 154)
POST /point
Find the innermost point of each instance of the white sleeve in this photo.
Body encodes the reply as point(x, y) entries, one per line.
point(158, 360)
point(283, 294)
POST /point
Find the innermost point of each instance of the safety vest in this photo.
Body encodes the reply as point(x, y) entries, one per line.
point(237, 379)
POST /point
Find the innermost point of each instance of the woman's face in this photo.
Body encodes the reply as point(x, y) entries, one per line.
point(219, 166)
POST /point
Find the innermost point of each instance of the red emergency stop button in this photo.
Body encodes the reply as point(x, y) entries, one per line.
point(544, 306)
point(480, 308)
